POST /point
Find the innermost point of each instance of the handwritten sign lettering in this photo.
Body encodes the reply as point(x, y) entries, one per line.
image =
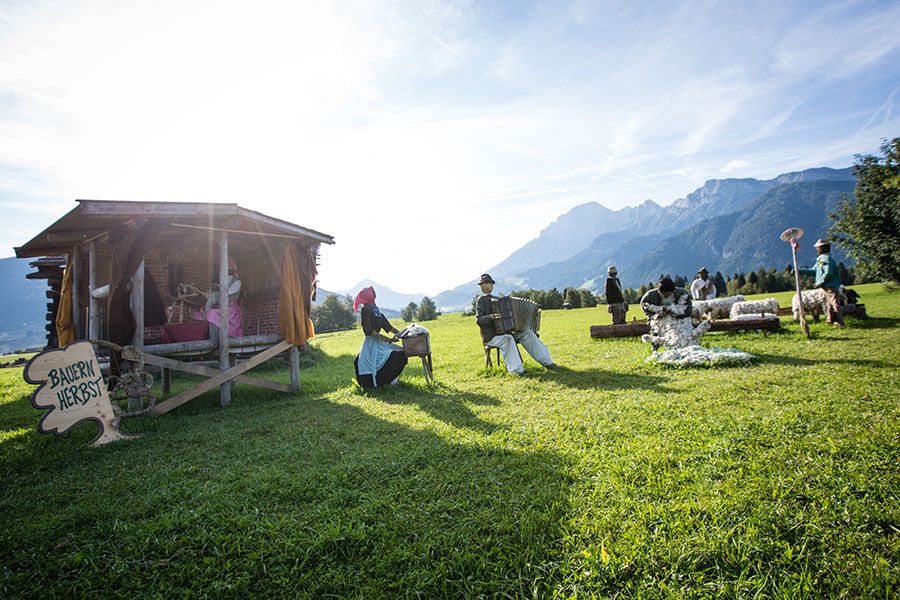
point(72, 390)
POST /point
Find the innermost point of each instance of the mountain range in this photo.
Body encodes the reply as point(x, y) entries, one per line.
point(726, 224)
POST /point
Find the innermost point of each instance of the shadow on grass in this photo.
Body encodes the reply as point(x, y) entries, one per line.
point(333, 500)
point(873, 323)
point(19, 413)
point(601, 379)
point(797, 361)
point(441, 402)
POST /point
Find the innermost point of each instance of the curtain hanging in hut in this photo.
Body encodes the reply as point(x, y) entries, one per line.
point(295, 293)
point(128, 248)
point(65, 328)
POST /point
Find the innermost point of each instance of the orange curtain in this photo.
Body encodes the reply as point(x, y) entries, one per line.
point(293, 309)
point(65, 328)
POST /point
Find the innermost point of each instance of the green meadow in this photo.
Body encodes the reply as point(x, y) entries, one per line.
point(607, 477)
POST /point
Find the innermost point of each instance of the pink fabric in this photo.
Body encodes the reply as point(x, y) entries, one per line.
point(365, 296)
point(235, 319)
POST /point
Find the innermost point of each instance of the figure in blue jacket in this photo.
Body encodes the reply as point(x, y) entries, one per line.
point(829, 279)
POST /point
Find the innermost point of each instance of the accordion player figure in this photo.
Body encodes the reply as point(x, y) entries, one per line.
point(506, 321)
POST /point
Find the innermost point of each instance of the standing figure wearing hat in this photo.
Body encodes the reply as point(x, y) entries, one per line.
point(703, 287)
point(614, 298)
point(486, 319)
point(829, 279)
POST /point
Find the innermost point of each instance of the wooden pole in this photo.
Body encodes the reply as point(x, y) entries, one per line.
point(76, 290)
point(803, 325)
point(137, 307)
point(295, 368)
point(93, 303)
point(224, 363)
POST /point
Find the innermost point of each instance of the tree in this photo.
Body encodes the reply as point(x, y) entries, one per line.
point(427, 311)
point(552, 300)
point(572, 297)
point(588, 299)
point(869, 228)
point(334, 314)
point(846, 275)
point(719, 281)
point(408, 313)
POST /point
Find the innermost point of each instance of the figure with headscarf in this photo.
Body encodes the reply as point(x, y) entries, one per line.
point(379, 361)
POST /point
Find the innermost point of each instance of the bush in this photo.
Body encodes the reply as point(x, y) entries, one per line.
point(427, 311)
point(408, 313)
point(334, 314)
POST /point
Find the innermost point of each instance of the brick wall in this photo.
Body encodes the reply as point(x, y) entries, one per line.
point(200, 264)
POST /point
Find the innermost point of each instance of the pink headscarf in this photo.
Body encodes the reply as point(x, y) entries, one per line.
point(365, 296)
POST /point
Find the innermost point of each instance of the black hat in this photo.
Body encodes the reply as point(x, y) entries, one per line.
point(703, 270)
point(666, 285)
point(820, 242)
point(485, 279)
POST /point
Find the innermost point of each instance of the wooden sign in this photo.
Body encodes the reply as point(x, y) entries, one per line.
point(72, 390)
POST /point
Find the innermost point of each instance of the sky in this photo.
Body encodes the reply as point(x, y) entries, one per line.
point(430, 138)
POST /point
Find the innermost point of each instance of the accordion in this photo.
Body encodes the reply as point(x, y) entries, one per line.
point(516, 314)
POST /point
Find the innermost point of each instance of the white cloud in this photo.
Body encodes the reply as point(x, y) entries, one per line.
point(735, 165)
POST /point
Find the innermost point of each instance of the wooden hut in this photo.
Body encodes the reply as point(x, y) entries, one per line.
point(149, 253)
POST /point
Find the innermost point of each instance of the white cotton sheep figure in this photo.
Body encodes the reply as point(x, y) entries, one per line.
point(717, 308)
point(813, 304)
point(768, 306)
point(666, 329)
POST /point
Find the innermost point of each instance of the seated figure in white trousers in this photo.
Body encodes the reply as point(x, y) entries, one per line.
point(506, 342)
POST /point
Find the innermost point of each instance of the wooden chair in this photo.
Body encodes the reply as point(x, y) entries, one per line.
point(487, 356)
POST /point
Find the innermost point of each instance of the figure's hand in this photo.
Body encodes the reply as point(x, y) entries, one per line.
point(794, 244)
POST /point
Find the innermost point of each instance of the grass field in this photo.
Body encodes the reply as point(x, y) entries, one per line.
point(605, 478)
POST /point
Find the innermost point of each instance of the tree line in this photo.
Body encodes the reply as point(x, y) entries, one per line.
point(335, 313)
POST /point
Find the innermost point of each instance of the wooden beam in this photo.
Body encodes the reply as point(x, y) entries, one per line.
point(227, 376)
point(295, 369)
point(197, 369)
point(137, 307)
point(74, 237)
point(94, 304)
point(265, 339)
point(76, 291)
point(242, 232)
point(224, 361)
point(258, 217)
point(155, 209)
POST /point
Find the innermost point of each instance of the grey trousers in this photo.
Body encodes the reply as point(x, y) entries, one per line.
point(618, 311)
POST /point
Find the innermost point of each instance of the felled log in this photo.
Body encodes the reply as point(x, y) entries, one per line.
point(766, 323)
point(633, 329)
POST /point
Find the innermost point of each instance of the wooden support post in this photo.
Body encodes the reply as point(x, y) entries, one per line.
point(295, 368)
point(76, 291)
point(166, 381)
point(224, 365)
point(137, 307)
point(220, 379)
point(93, 303)
point(196, 368)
